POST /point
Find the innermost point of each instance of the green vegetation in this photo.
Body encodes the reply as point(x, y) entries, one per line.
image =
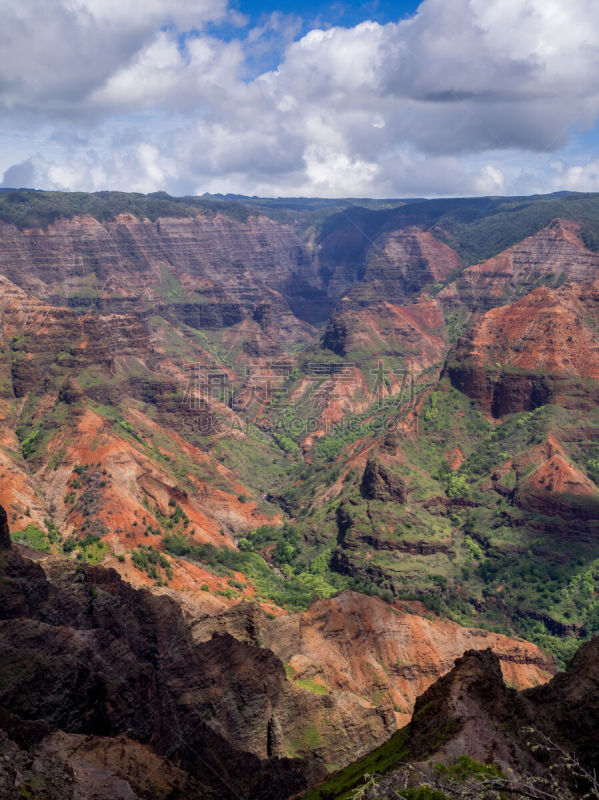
point(90, 548)
point(176, 519)
point(342, 784)
point(29, 442)
point(287, 444)
point(28, 209)
point(464, 767)
point(169, 286)
point(311, 685)
point(33, 537)
point(122, 424)
point(346, 783)
point(31, 209)
point(53, 532)
point(457, 486)
point(291, 590)
point(424, 793)
point(153, 563)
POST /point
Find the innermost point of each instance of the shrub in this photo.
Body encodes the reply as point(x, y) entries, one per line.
point(457, 486)
point(32, 537)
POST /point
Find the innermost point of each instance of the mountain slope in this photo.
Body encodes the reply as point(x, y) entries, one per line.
point(107, 687)
point(226, 398)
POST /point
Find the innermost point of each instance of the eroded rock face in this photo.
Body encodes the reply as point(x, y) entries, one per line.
point(538, 349)
point(366, 256)
point(37, 334)
point(401, 262)
point(471, 711)
point(356, 645)
point(466, 704)
point(380, 312)
point(85, 654)
point(569, 704)
point(411, 334)
point(556, 488)
point(225, 267)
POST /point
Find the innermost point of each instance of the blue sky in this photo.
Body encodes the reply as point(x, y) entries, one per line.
point(307, 16)
point(337, 13)
point(383, 99)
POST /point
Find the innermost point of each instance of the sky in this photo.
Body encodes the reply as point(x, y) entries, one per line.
point(278, 98)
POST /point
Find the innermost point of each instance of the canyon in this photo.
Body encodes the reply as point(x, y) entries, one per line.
point(270, 468)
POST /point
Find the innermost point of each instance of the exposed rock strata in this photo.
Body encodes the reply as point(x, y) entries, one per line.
point(542, 348)
point(226, 268)
point(552, 255)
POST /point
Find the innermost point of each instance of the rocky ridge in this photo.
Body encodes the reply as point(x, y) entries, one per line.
point(86, 656)
point(471, 736)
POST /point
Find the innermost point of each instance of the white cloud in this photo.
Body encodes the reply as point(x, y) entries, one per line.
point(133, 14)
point(55, 53)
point(411, 107)
point(164, 75)
point(577, 177)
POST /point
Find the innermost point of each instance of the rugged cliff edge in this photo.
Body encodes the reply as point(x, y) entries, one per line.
point(104, 694)
point(100, 681)
point(473, 737)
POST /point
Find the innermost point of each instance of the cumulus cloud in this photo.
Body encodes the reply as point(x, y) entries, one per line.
point(398, 109)
point(55, 53)
point(164, 74)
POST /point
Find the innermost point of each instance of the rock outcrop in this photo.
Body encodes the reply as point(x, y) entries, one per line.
point(472, 736)
point(401, 262)
point(379, 483)
point(555, 487)
point(481, 717)
point(412, 334)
